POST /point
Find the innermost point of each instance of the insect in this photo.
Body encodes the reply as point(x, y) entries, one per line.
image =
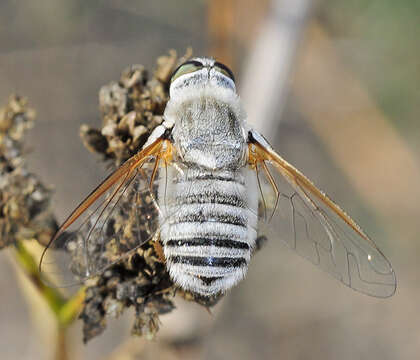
point(201, 186)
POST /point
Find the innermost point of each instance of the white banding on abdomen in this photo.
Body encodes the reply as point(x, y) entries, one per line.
point(208, 227)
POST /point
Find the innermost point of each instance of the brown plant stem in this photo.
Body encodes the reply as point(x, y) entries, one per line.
point(61, 350)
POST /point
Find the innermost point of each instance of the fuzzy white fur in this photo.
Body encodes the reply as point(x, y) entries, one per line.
point(212, 137)
point(180, 96)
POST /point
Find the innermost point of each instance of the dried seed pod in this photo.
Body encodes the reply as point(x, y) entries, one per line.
point(24, 200)
point(131, 108)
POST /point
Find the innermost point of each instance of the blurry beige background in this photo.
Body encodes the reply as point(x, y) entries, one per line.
point(342, 104)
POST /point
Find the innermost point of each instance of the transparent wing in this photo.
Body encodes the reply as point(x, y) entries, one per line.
point(117, 217)
point(316, 228)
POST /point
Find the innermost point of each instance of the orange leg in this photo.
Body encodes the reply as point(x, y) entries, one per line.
point(157, 245)
point(273, 184)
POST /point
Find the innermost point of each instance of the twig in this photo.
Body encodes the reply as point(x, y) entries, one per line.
point(345, 117)
point(268, 70)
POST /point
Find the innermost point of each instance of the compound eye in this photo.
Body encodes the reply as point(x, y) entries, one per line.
point(223, 69)
point(186, 68)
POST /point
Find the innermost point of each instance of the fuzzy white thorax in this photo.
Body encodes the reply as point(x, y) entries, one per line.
point(202, 89)
point(207, 119)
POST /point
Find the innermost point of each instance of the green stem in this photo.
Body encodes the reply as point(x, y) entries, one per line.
point(54, 299)
point(65, 310)
point(71, 308)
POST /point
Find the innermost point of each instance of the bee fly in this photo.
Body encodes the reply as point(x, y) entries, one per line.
point(207, 176)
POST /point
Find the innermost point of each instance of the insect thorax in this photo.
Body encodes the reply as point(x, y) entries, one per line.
point(208, 133)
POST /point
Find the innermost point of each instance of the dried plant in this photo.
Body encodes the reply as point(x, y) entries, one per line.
point(25, 213)
point(130, 108)
point(24, 200)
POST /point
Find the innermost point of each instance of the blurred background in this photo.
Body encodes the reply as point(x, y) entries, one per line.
point(333, 84)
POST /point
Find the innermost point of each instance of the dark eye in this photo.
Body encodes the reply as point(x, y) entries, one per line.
point(224, 70)
point(186, 68)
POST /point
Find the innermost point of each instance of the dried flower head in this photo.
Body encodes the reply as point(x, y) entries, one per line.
point(131, 108)
point(24, 200)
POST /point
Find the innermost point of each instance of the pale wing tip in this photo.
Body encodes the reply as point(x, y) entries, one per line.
point(383, 287)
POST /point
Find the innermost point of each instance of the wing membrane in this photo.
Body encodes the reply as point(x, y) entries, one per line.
point(316, 228)
point(117, 217)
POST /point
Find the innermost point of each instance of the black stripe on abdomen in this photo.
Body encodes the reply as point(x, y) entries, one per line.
point(208, 261)
point(209, 280)
point(210, 176)
point(215, 197)
point(201, 241)
point(200, 217)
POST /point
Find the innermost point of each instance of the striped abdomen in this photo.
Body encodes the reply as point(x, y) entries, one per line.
point(208, 228)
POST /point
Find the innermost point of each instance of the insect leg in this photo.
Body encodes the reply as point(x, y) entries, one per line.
point(273, 184)
point(261, 192)
point(152, 177)
point(157, 245)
